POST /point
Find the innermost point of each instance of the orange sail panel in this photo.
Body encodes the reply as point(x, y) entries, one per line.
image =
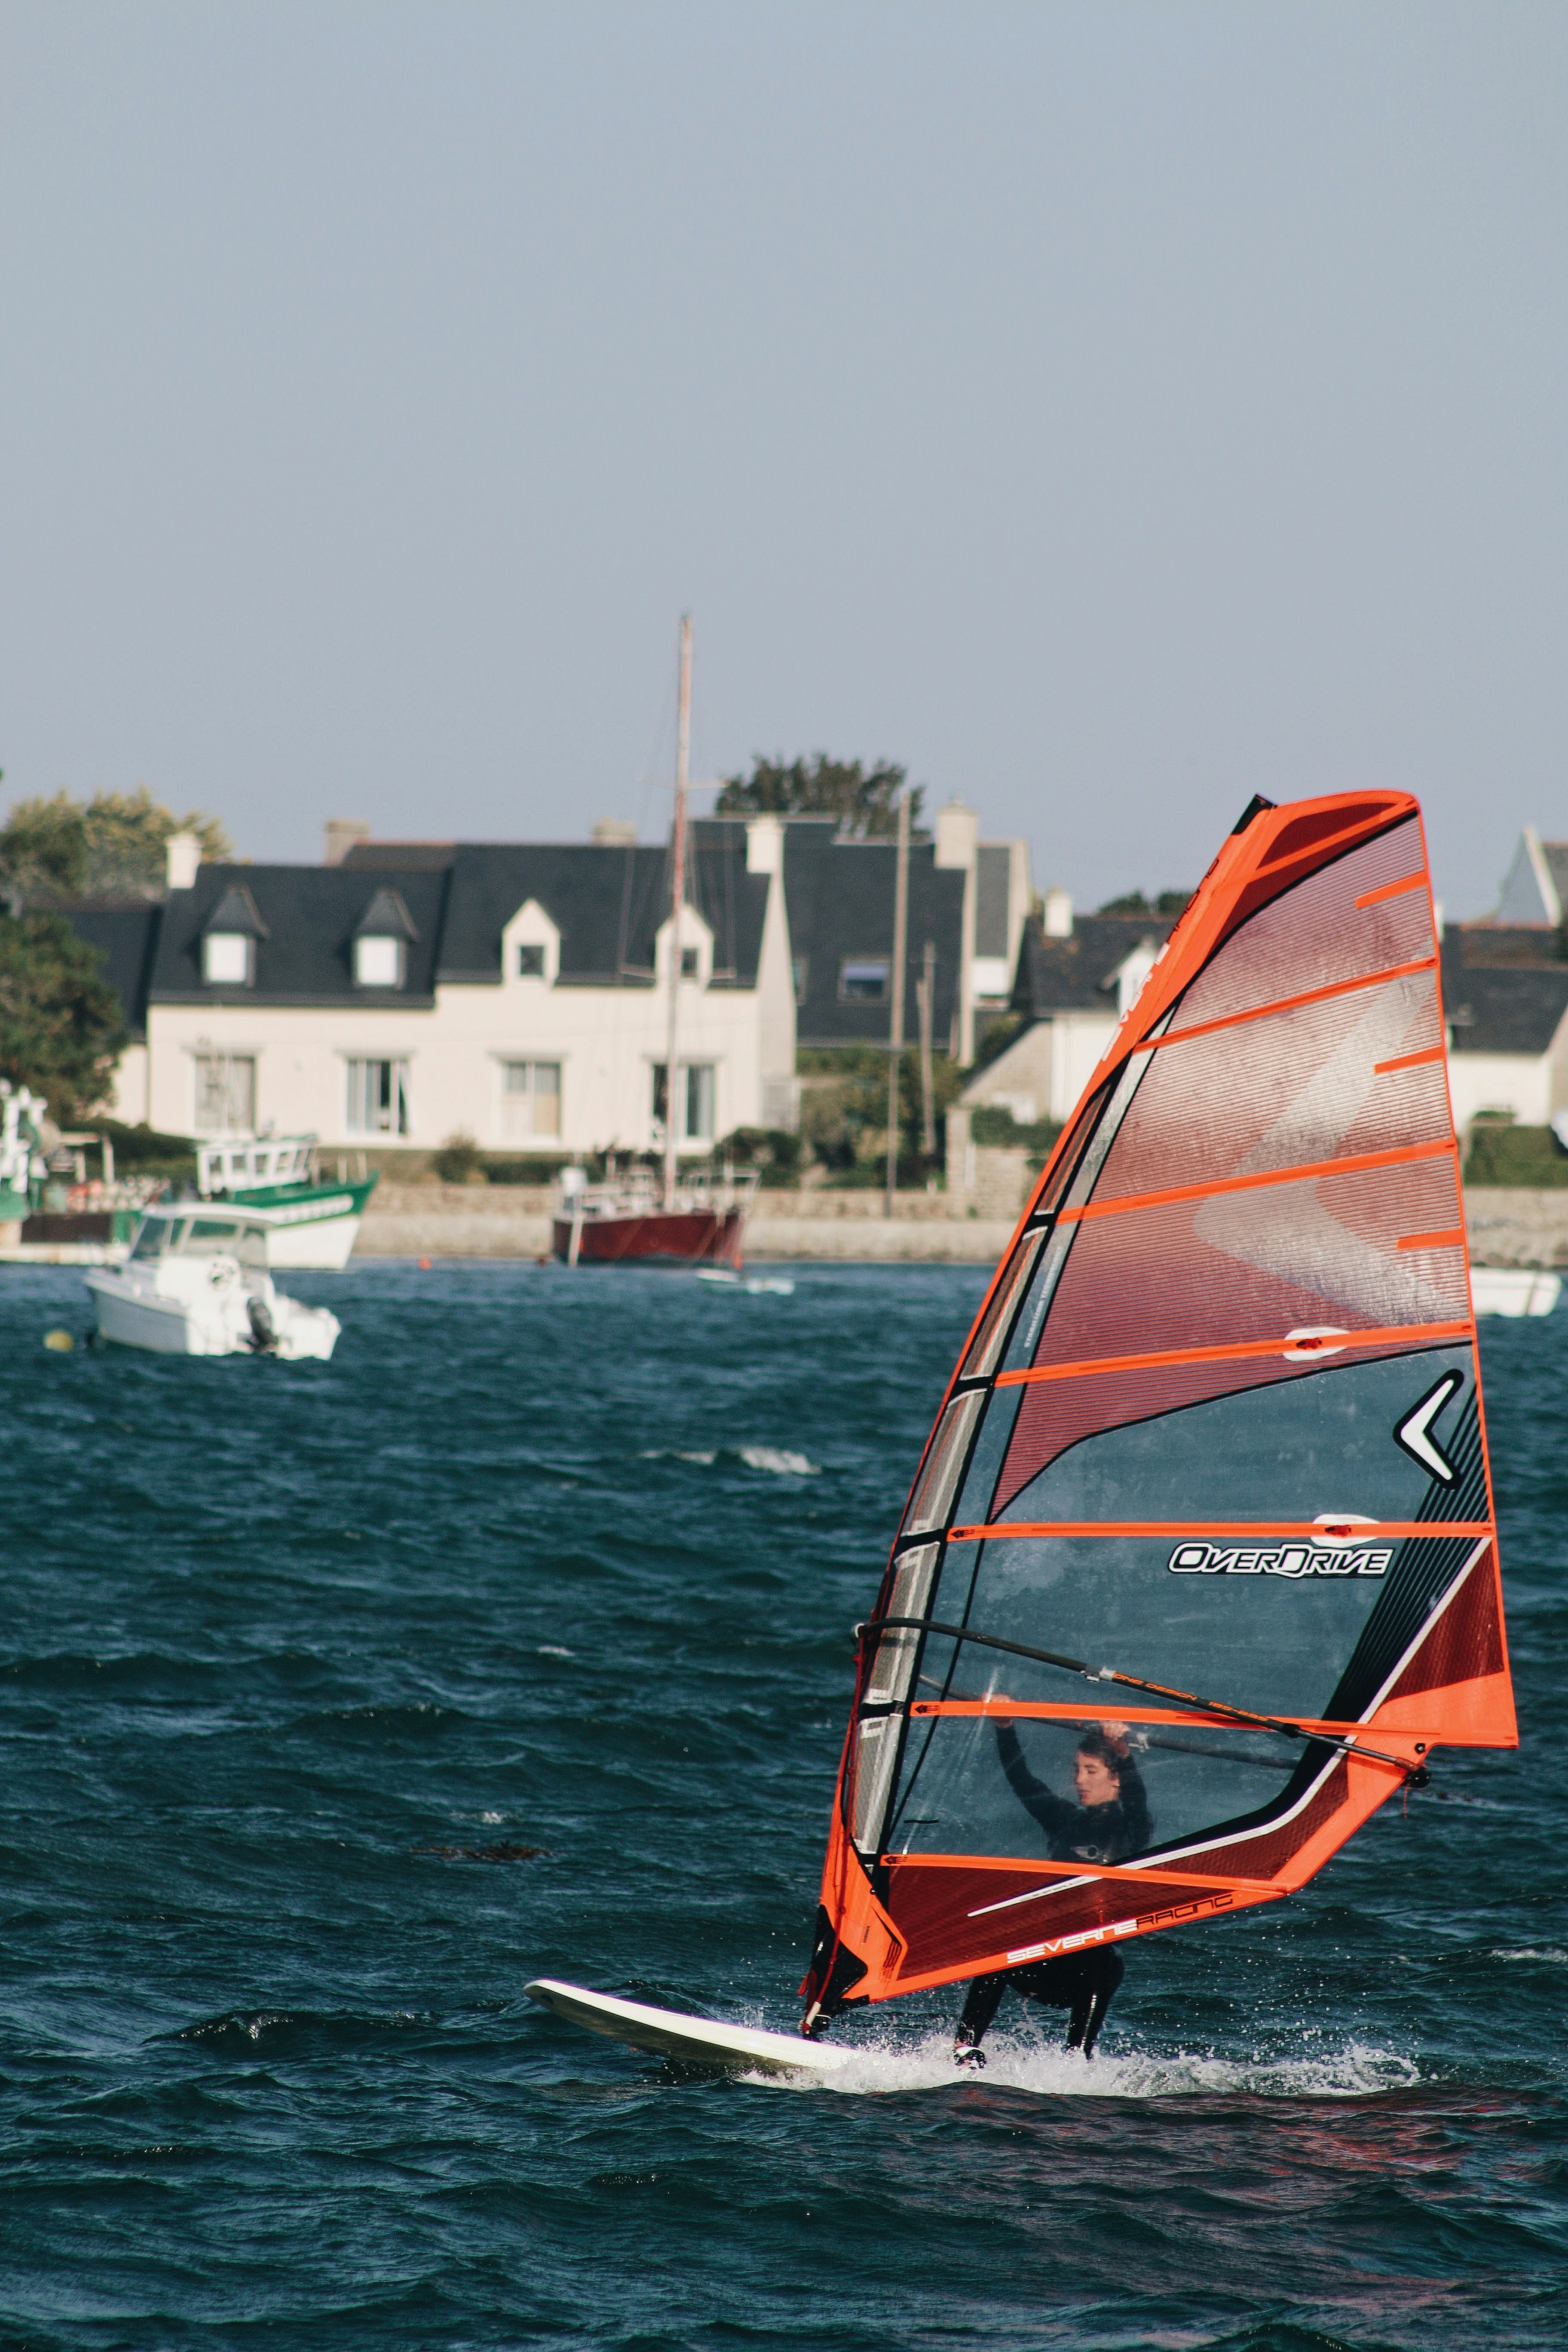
point(1212, 1470)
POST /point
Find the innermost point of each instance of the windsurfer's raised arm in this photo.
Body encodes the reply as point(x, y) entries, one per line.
point(1054, 1813)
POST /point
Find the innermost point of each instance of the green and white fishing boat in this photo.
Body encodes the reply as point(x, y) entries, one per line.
point(310, 1221)
point(21, 1116)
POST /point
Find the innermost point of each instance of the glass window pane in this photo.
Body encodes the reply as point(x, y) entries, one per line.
point(700, 1102)
point(547, 1097)
point(226, 958)
point(211, 1237)
point(378, 963)
point(863, 980)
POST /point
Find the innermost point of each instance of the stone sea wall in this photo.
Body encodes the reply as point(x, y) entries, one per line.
point(1509, 1226)
point(513, 1220)
point(1506, 1227)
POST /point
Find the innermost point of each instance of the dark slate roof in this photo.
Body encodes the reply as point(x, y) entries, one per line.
point(1479, 944)
point(125, 934)
point(607, 902)
point(401, 856)
point(237, 912)
point(305, 955)
point(1500, 1008)
point(993, 868)
point(386, 918)
point(1074, 975)
point(839, 896)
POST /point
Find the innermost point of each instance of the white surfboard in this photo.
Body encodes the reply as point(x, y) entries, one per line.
point(701, 2041)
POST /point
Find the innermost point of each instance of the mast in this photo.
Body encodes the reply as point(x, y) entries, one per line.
point(896, 1027)
point(925, 996)
point(677, 899)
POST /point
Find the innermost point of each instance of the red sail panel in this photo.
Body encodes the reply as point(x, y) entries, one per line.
point(1217, 1431)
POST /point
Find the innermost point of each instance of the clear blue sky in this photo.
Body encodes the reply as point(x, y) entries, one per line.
point(1109, 410)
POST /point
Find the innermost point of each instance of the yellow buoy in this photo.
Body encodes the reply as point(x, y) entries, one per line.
point(60, 1342)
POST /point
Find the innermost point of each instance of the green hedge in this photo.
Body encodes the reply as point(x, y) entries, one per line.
point(1515, 1155)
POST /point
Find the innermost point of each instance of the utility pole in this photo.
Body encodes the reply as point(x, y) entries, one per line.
point(925, 992)
point(896, 1031)
point(676, 901)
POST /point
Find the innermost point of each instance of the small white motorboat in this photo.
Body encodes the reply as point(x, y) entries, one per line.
point(1513, 1290)
point(196, 1284)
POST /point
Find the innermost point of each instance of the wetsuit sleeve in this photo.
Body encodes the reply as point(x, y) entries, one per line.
point(1137, 1824)
point(1053, 1812)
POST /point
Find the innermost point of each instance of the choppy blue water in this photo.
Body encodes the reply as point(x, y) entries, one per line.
point(570, 1562)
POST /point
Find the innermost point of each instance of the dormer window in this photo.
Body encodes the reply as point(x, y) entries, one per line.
point(531, 959)
point(378, 962)
point(228, 960)
point(691, 963)
point(229, 937)
point(382, 938)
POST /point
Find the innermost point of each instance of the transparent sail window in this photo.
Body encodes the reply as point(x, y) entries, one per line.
point(1268, 1625)
point(876, 1754)
point(944, 1465)
point(989, 1340)
point(1062, 1792)
point(893, 1668)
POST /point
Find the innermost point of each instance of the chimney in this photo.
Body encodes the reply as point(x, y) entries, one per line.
point(614, 833)
point(183, 855)
point(764, 845)
point(957, 832)
point(1058, 915)
point(342, 832)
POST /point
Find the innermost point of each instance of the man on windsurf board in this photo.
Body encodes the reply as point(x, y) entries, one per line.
point(1110, 1821)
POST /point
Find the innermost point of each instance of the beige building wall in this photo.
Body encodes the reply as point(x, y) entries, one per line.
point(128, 1094)
point(607, 1041)
point(1521, 1083)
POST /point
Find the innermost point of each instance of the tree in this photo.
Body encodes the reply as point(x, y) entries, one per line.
point(865, 801)
point(113, 846)
point(60, 1027)
point(1167, 905)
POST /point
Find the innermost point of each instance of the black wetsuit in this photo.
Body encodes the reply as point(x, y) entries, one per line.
point(1080, 1832)
point(1080, 1982)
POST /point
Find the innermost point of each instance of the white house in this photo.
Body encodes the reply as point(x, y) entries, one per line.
point(1075, 978)
point(518, 993)
point(404, 991)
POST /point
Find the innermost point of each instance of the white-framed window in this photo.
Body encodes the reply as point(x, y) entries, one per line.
point(228, 960)
point(378, 962)
point(531, 959)
point(378, 1098)
point(225, 1094)
point(530, 1100)
point(691, 963)
point(694, 1099)
point(863, 980)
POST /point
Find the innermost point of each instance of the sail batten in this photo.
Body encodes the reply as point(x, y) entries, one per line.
point(1294, 1174)
point(1218, 1418)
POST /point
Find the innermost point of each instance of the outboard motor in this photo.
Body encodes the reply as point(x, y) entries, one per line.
point(263, 1335)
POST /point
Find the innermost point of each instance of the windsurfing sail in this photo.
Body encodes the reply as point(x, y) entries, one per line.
point(1212, 1468)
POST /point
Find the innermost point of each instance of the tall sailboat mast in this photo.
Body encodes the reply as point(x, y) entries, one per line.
point(677, 900)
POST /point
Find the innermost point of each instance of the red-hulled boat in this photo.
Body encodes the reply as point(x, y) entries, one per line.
point(629, 1218)
point(696, 1220)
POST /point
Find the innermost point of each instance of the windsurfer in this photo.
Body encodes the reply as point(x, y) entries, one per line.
point(1110, 1820)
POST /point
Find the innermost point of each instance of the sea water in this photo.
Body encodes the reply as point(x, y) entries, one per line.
point(338, 1700)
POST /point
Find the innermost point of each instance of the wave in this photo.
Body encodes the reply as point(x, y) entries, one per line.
point(1358, 2071)
point(777, 1459)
